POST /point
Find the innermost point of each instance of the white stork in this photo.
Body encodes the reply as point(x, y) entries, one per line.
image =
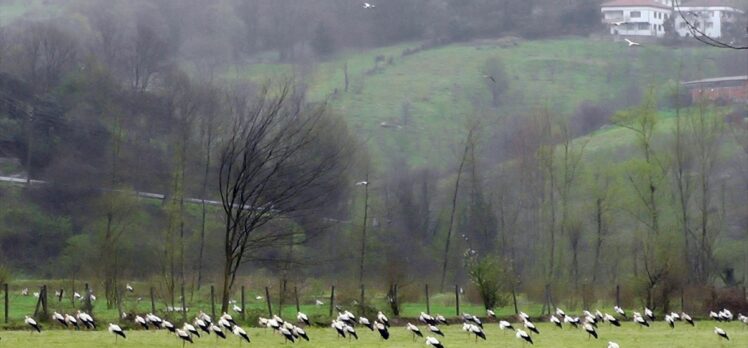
point(505, 325)
point(116, 331)
point(530, 326)
point(670, 321)
point(218, 331)
point(383, 319)
point(183, 335)
point(59, 318)
point(72, 321)
point(612, 344)
point(383, 332)
point(431, 341)
point(436, 330)
point(141, 321)
point(190, 329)
point(648, 313)
point(365, 322)
point(611, 320)
point(590, 330)
point(620, 311)
point(299, 332)
point(414, 330)
point(721, 333)
point(521, 334)
point(33, 324)
point(302, 318)
point(687, 318)
point(556, 321)
point(238, 331)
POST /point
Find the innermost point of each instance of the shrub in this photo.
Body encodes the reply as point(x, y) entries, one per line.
point(492, 278)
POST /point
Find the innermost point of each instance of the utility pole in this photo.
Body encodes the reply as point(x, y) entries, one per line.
point(365, 184)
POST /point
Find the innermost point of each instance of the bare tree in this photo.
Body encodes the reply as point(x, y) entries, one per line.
point(469, 143)
point(281, 158)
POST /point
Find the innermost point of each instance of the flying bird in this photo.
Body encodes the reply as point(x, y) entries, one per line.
point(619, 23)
point(367, 5)
point(632, 43)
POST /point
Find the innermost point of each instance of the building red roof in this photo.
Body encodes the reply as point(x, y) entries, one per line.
point(635, 3)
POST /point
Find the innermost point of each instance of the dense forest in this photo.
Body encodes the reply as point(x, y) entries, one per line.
point(196, 141)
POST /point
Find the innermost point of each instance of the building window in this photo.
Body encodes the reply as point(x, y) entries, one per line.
point(635, 14)
point(709, 25)
point(643, 26)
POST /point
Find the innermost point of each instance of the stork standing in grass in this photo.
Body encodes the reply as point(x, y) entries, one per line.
point(521, 334)
point(383, 319)
point(116, 331)
point(414, 330)
point(721, 333)
point(184, 336)
point(59, 318)
point(33, 324)
point(238, 331)
point(556, 321)
point(431, 341)
point(383, 332)
point(302, 318)
point(590, 330)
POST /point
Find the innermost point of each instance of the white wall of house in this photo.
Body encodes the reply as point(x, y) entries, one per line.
point(710, 20)
point(640, 21)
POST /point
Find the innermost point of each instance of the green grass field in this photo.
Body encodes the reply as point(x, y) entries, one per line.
point(627, 336)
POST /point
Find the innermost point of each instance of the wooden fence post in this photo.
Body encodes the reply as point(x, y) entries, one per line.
point(213, 301)
point(72, 294)
point(6, 302)
point(59, 297)
point(296, 295)
point(361, 306)
point(396, 299)
point(184, 305)
point(267, 299)
point(428, 305)
point(332, 299)
point(243, 317)
point(153, 300)
point(682, 300)
point(618, 295)
point(88, 299)
point(514, 299)
point(457, 300)
point(43, 297)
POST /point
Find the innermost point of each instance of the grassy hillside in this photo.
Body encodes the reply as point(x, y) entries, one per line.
point(443, 85)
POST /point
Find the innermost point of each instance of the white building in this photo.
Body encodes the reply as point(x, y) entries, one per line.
point(637, 17)
point(709, 16)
